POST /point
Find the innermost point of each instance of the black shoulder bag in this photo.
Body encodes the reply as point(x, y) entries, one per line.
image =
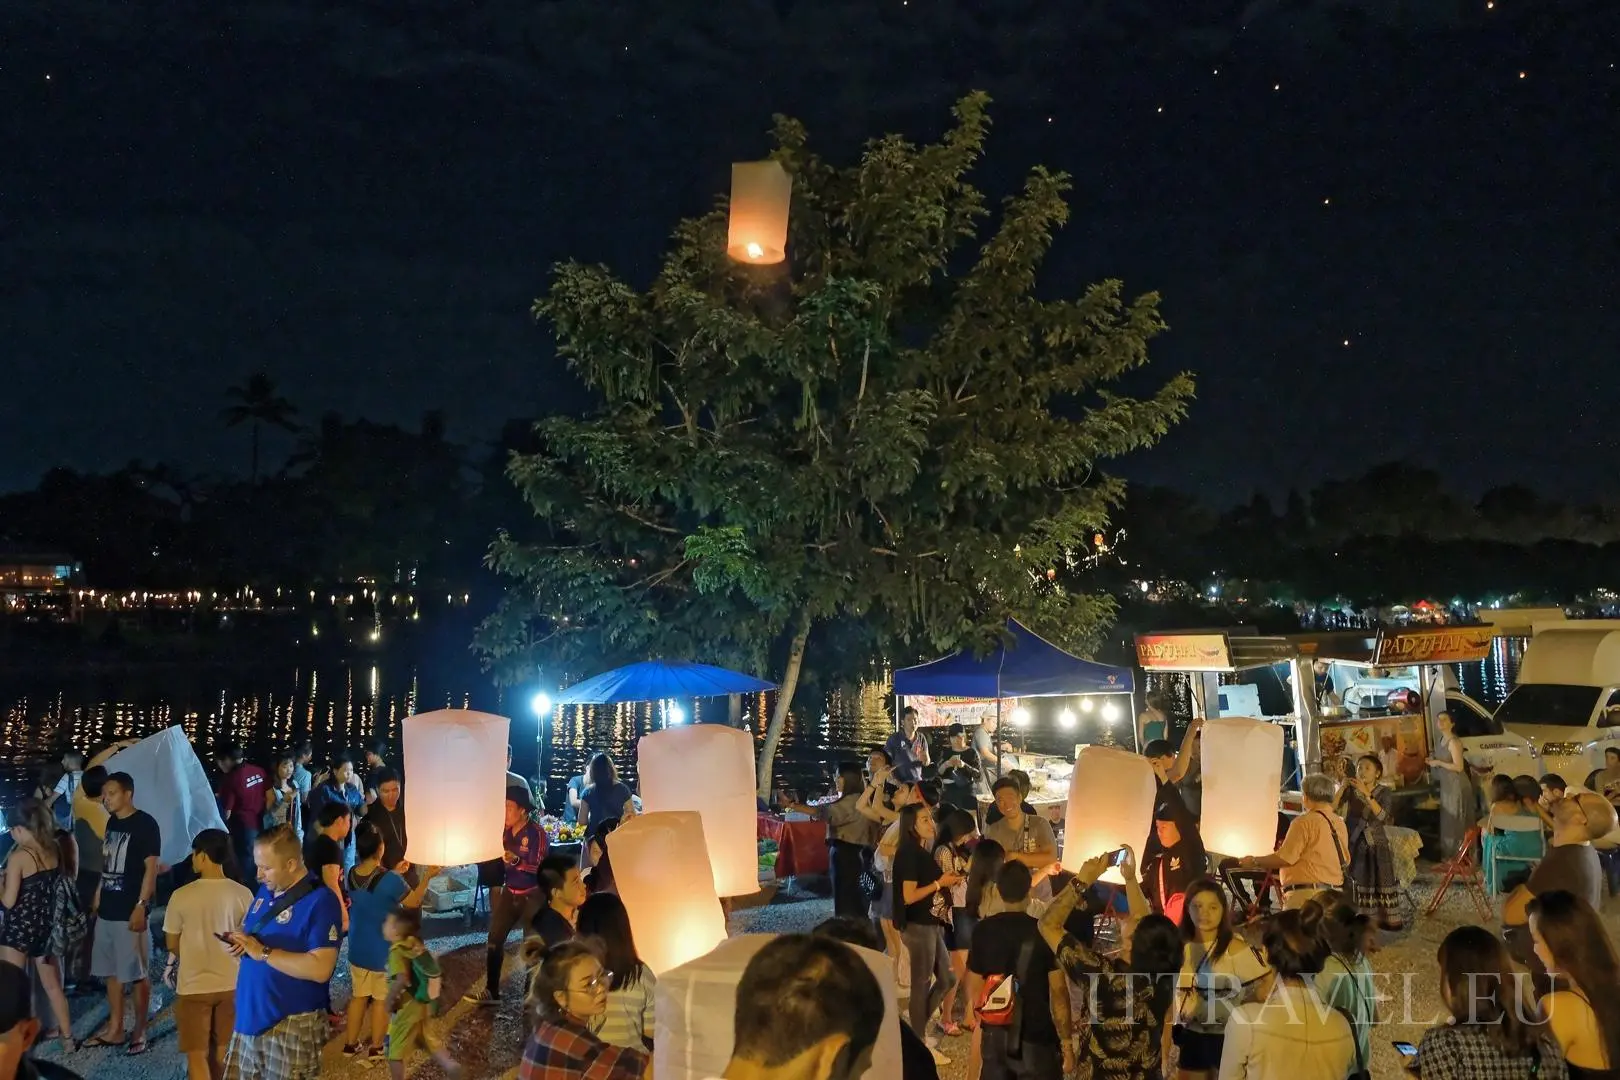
point(282, 903)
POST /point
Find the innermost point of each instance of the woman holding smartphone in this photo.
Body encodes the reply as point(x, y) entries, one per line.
point(922, 909)
point(1496, 1031)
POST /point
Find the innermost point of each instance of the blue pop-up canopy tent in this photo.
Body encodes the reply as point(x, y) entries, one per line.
point(1026, 665)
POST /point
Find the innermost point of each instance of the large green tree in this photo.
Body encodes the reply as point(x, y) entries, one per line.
point(893, 426)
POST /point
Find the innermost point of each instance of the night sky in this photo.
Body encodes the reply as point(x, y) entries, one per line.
point(1382, 229)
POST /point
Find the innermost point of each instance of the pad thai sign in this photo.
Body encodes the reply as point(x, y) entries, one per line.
point(1183, 652)
point(1445, 646)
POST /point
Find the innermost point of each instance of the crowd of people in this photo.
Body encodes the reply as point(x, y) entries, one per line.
point(310, 865)
point(1254, 968)
point(977, 917)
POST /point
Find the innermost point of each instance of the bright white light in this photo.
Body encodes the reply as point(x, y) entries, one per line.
point(1110, 712)
point(1020, 717)
point(1145, 586)
point(541, 704)
point(674, 714)
point(754, 252)
point(1067, 719)
point(376, 635)
point(1086, 704)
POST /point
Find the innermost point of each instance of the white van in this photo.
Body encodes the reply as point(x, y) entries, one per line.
point(1567, 702)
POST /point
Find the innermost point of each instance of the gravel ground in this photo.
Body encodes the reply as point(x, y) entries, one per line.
point(487, 1041)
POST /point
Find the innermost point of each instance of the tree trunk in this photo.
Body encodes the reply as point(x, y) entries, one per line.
point(734, 713)
point(784, 699)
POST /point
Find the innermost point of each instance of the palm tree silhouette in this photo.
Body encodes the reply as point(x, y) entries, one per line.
point(257, 403)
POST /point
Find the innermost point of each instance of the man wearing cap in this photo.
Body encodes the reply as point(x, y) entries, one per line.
point(518, 899)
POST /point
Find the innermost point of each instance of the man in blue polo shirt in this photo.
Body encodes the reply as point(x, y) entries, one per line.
point(289, 945)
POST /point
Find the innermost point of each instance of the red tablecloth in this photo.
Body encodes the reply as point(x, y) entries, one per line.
point(770, 827)
point(802, 849)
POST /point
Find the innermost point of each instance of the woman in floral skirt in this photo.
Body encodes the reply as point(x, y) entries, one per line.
point(1366, 802)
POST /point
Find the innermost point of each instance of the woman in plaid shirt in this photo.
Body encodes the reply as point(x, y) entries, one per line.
point(1496, 1031)
point(568, 996)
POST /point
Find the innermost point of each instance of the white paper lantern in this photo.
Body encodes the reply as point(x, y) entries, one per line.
point(661, 867)
point(1111, 797)
point(455, 790)
point(694, 1009)
point(170, 784)
point(758, 224)
point(707, 768)
point(1242, 767)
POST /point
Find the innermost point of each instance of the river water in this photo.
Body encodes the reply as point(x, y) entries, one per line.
point(347, 704)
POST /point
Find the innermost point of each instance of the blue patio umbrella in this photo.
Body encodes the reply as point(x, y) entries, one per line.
point(656, 680)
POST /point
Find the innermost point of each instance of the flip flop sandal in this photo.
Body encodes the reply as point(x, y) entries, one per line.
point(138, 1047)
point(96, 1042)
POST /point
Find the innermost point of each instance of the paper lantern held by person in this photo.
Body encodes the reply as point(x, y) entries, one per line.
point(1110, 805)
point(455, 786)
point(170, 784)
point(707, 768)
point(1242, 763)
point(760, 194)
point(661, 868)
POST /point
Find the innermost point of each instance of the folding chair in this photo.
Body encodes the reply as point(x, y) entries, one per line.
point(1521, 831)
point(1464, 868)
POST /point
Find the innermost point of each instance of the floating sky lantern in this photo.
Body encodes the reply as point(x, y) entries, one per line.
point(1242, 768)
point(661, 868)
point(708, 769)
point(760, 194)
point(456, 798)
point(1111, 799)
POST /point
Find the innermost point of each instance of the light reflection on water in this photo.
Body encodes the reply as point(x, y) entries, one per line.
point(342, 706)
point(348, 706)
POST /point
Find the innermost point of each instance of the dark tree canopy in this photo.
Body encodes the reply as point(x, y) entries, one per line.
point(860, 432)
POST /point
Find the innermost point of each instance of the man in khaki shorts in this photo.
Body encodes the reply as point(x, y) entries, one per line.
point(202, 969)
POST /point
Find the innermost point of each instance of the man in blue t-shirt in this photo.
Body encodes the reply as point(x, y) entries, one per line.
point(908, 753)
point(289, 946)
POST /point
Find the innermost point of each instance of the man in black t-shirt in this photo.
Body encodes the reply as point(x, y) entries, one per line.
point(1044, 989)
point(123, 945)
point(564, 890)
point(958, 772)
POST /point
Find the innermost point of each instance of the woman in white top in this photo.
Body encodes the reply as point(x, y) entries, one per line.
point(1219, 971)
point(629, 1018)
point(1583, 1009)
point(1290, 1034)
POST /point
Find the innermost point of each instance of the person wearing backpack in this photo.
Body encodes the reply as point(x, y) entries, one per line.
point(1346, 979)
point(289, 947)
point(1018, 997)
point(413, 993)
point(373, 892)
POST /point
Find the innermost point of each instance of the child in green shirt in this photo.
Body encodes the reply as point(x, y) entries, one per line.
point(410, 1002)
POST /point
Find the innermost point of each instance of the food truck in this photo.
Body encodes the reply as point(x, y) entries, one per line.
point(1350, 693)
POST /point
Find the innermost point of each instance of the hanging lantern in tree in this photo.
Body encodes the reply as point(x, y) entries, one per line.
point(1242, 767)
point(760, 194)
point(708, 769)
point(1111, 798)
point(456, 798)
point(661, 868)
